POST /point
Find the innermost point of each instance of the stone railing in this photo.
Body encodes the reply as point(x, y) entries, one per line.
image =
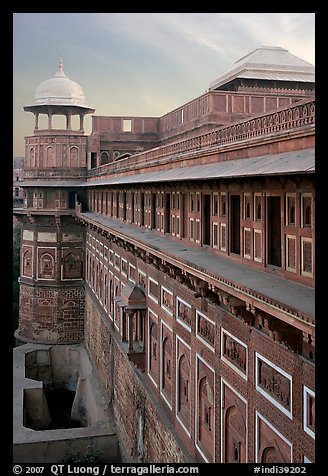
point(281, 120)
point(54, 173)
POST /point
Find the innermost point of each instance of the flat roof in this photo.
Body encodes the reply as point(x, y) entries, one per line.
point(298, 161)
point(52, 183)
point(253, 281)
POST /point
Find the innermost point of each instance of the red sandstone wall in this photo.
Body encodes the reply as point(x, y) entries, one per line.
point(130, 399)
point(51, 315)
point(220, 374)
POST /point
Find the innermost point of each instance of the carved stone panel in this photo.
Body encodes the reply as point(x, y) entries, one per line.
point(233, 351)
point(183, 313)
point(274, 383)
point(205, 329)
point(167, 300)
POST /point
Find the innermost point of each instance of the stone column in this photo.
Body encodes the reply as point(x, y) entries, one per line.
point(50, 120)
point(130, 315)
point(36, 127)
point(69, 121)
point(82, 122)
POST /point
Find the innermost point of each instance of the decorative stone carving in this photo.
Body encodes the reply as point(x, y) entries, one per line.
point(274, 383)
point(205, 329)
point(235, 352)
point(167, 300)
point(184, 312)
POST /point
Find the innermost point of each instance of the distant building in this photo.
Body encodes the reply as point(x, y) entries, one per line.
point(18, 191)
point(181, 251)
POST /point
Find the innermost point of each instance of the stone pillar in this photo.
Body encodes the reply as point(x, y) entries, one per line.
point(36, 127)
point(82, 122)
point(69, 121)
point(130, 315)
point(49, 120)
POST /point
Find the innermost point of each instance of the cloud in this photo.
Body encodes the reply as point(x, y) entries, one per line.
point(143, 63)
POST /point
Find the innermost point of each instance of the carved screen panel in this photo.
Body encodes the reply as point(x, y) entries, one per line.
point(307, 257)
point(258, 245)
point(291, 253)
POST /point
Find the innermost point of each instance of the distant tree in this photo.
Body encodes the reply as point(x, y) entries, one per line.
point(16, 272)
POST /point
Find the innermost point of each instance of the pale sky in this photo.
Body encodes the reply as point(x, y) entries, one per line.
point(141, 64)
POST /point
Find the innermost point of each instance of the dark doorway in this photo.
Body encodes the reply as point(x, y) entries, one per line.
point(142, 209)
point(167, 213)
point(184, 216)
point(71, 200)
point(153, 211)
point(93, 160)
point(124, 206)
point(117, 205)
point(206, 219)
point(235, 224)
point(274, 231)
point(132, 207)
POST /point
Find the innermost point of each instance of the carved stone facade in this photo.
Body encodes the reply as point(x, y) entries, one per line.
point(181, 263)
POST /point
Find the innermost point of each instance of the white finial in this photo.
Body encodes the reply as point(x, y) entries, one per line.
point(60, 73)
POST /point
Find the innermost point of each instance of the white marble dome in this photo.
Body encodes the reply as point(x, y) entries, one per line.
point(59, 91)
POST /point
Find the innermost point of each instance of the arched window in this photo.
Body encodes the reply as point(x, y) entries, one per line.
point(248, 210)
point(47, 266)
point(167, 366)
point(258, 211)
point(73, 157)
point(308, 215)
point(205, 412)
point(153, 346)
point(184, 387)
point(27, 263)
point(50, 157)
point(292, 215)
point(32, 156)
point(104, 158)
point(72, 266)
